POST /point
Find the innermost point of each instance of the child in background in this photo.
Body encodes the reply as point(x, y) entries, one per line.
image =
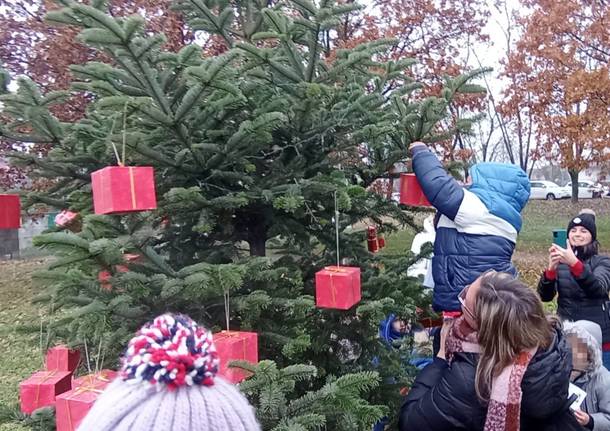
point(423, 267)
point(478, 225)
point(589, 374)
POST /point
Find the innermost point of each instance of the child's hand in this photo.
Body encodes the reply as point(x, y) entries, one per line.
point(416, 144)
point(582, 417)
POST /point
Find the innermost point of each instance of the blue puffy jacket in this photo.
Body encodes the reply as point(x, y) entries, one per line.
point(478, 226)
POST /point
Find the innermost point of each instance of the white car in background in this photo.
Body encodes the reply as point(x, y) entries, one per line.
point(587, 189)
point(548, 190)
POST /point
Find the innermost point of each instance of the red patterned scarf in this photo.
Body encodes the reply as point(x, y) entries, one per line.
point(504, 409)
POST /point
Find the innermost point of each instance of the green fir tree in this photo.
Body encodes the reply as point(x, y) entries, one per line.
point(249, 148)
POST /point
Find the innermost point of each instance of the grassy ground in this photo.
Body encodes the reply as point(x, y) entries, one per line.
point(20, 354)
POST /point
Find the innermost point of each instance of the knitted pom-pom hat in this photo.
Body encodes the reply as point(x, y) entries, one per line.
point(168, 383)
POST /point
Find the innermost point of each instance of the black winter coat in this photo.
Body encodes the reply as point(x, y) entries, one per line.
point(443, 397)
point(584, 297)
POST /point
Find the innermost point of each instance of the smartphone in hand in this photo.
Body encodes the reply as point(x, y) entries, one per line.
point(560, 237)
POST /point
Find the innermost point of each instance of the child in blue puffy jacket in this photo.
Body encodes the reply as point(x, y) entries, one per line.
point(478, 225)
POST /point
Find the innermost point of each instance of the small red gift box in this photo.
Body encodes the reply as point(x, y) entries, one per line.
point(338, 287)
point(411, 192)
point(235, 346)
point(131, 257)
point(41, 389)
point(61, 358)
point(119, 189)
point(69, 220)
point(10, 212)
point(65, 217)
point(104, 277)
point(381, 242)
point(72, 406)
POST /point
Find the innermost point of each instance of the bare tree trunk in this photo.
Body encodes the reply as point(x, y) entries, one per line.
point(574, 178)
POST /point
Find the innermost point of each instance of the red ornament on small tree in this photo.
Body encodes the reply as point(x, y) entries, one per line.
point(10, 212)
point(374, 241)
point(371, 239)
point(69, 220)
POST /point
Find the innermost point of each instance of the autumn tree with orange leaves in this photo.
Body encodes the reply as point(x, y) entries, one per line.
point(560, 68)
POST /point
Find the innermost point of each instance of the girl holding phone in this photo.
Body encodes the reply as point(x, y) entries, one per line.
point(580, 278)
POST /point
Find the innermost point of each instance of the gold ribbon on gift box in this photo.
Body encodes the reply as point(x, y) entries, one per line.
point(333, 288)
point(132, 185)
point(228, 334)
point(50, 375)
point(78, 391)
point(91, 379)
point(121, 160)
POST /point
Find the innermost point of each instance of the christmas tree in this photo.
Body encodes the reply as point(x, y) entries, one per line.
point(255, 152)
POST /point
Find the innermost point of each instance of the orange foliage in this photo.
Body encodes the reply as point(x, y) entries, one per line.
point(559, 74)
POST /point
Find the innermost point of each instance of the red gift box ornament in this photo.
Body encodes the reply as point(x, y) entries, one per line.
point(72, 406)
point(10, 212)
point(338, 287)
point(69, 220)
point(41, 389)
point(235, 346)
point(61, 358)
point(411, 192)
point(120, 189)
point(132, 257)
point(104, 277)
point(371, 239)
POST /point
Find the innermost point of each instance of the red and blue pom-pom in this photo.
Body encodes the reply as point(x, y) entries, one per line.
point(171, 350)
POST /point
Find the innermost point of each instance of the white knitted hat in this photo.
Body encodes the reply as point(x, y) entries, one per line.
point(168, 383)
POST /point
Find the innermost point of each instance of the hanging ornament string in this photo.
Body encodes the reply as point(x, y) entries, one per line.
point(337, 228)
point(227, 307)
point(124, 131)
point(120, 160)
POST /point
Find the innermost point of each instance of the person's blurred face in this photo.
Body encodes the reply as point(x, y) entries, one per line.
point(579, 236)
point(580, 354)
point(468, 299)
point(400, 326)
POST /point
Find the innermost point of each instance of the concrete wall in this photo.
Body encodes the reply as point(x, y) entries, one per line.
point(18, 242)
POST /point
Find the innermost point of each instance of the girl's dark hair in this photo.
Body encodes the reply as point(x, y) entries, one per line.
point(586, 252)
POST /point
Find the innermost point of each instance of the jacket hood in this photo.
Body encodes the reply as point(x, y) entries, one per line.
point(387, 331)
point(548, 373)
point(503, 188)
point(591, 334)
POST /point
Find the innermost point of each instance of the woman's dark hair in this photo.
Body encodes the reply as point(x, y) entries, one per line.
point(586, 252)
